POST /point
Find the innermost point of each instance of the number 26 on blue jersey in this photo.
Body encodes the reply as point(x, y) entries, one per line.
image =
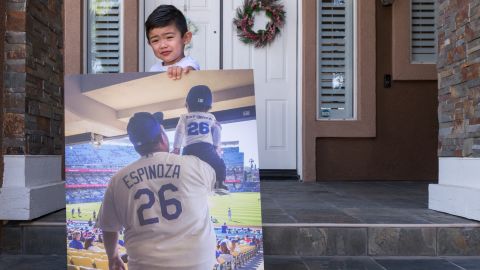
point(196, 128)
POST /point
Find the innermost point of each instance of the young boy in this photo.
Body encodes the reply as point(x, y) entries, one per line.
point(167, 34)
point(202, 133)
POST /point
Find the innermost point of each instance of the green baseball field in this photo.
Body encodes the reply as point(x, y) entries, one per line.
point(245, 209)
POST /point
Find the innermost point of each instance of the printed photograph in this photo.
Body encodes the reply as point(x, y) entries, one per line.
point(201, 177)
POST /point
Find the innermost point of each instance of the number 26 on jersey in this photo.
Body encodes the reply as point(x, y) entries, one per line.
point(164, 203)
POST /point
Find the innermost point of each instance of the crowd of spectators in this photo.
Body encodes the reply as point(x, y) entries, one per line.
point(88, 178)
point(84, 195)
point(83, 235)
point(106, 156)
point(233, 251)
point(244, 187)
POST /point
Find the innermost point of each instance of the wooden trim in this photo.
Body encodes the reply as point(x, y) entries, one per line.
point(73, 37)
point(402, 67)
point(130, 36)
point(364, 124)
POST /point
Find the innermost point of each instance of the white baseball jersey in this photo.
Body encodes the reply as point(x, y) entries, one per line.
point(197, 127)
point(161, 201)
point(186, 61)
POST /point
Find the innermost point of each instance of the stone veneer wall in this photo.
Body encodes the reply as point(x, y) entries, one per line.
point(459, 78)
point(33, 85)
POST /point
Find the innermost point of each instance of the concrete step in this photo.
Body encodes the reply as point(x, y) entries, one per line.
point(42, 236)
point(372, 240)
point(365, 218)
point(371, 263)
point(29, 262)
point(39, 262)
point(321, 219)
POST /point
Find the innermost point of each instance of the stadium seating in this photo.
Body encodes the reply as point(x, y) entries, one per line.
point(73, 252)
point(90, 259)
point(245, 254)
point(93, 162)
point(91, 255)
point(72, 267)
point(86, 268)
point(86, 155)
point(101, 264)
point(82, 261)
point(84, 195)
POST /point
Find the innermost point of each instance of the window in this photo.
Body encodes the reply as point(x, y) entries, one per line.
point(423, 49)
point(335, 62)
point(414, 40)
point(104, 33)
point(361, 50)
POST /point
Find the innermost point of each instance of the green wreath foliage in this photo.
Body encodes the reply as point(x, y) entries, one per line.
point(245, 19)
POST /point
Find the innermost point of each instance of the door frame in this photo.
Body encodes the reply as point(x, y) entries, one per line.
point(300, 171)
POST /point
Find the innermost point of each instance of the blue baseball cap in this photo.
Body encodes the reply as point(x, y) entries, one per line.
point(159, 117)
point(199, 95)
point(144, 128)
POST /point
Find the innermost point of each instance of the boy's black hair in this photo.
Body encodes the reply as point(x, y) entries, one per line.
point(165, 15)
point(199, 99)
point(199, 107)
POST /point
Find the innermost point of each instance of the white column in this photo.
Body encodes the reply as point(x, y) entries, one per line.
point(32, 186)
point(458, 188)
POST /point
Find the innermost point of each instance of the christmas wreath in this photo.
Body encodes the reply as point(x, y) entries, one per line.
point(245, 19)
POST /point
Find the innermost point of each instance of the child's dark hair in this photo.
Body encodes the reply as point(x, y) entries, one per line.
point(199, 107)
point(165, 15)
point(199, 99)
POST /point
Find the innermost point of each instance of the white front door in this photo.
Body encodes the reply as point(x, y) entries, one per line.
point(204, 17)
point(275, 70)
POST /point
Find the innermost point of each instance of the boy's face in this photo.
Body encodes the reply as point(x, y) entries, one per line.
point(168, 44)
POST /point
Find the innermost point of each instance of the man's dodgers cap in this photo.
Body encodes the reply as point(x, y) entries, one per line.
point(144, 128)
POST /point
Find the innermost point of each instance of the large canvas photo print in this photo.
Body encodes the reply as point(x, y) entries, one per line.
point(162, 173)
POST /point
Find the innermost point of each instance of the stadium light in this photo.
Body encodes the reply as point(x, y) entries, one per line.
point(97, 139)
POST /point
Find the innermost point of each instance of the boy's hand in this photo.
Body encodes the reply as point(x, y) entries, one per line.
point(218, 149)
point(175, 73)
point(176, 151)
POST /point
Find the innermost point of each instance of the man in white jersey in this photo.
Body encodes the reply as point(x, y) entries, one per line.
point(161, 201)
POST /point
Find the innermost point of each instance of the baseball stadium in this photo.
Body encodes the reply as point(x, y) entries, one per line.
point(97, 109)
point(236, 216)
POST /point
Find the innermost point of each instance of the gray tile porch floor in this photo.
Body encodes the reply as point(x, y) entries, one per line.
point(325, 204)
point(334, 225)
point(351, 203)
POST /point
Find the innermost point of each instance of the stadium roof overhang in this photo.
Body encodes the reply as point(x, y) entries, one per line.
point(103, 103)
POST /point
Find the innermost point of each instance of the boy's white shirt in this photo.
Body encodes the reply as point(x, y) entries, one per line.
point(192, 120)
point(186, 61)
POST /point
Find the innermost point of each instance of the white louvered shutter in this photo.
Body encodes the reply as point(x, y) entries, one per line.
point(335, 59)
point(423, 42)
point(104, 36)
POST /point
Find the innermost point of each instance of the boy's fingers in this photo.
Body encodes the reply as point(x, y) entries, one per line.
point(170, 72)
point(176, 72)
point(179, 72)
